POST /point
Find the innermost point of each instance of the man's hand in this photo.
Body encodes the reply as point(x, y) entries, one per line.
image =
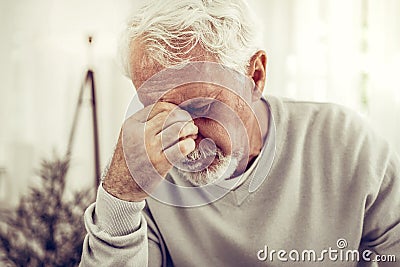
point(150, 142)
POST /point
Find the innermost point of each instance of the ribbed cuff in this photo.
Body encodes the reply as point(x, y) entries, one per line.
point(117, 217)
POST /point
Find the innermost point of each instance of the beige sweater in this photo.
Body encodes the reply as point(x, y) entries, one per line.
point(333, 191)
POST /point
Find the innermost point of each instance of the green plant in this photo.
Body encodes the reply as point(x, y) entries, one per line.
point(45, 229)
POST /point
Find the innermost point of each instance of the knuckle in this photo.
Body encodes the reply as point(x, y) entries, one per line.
point(164, 106)
point(172, 116)
point(157, 109)
point(162, 118)
point(188, 129)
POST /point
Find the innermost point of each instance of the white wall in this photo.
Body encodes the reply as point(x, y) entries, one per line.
point(340, 51)
point(44, 59)
point(314, 52)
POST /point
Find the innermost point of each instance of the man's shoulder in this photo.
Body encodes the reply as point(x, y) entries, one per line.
point(302, 107)
point(337, 134)
point(318, 116)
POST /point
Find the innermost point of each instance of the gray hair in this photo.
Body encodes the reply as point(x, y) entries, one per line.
point(170, 29)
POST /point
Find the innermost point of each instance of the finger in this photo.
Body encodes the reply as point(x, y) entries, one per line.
point(150, 111)
point(189, 129)
point(165, 119)
point(180, 150)
point(175, 132)
point(175, 111)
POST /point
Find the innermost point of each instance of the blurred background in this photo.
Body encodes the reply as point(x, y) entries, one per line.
point(342, 51)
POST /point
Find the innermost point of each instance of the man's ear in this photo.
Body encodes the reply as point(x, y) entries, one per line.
point(258, 69)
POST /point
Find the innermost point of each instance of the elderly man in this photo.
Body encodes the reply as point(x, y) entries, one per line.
point(211, 173)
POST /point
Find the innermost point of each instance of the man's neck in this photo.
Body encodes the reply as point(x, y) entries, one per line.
point(259, 129)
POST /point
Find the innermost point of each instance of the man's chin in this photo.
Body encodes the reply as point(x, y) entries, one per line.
point(198, 166)
point(219, 169)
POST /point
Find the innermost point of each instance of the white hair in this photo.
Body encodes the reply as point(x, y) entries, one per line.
point(170, 29)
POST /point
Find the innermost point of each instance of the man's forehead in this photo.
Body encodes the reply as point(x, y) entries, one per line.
point(143, 67)
point(205, 74)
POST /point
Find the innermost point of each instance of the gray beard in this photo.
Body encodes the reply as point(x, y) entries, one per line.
point(223, 168)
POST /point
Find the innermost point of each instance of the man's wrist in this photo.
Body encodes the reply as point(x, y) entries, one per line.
point(123, 192)
point(118, 181)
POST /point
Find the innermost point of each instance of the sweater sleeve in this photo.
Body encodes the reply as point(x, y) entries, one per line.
point(381, 231)
point(117, 234)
